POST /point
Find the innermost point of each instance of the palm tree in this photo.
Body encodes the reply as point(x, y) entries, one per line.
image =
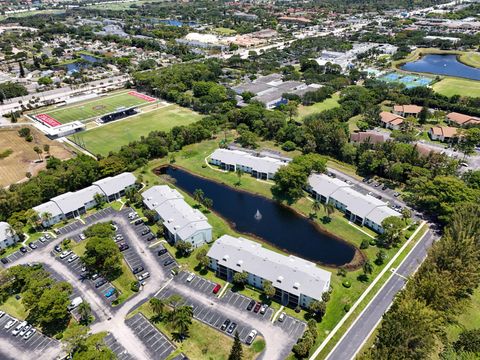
point(46, 217)
point(239, 173)
point(329, 209)
point(316, 205)
point(84, 311)
point(182, 319)
point(198, 195)
point(157, 306)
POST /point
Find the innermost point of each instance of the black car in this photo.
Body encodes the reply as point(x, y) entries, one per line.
point(123, 247)
point(231, 327)
point(138, 222)
point(384, 187)
point(250, 305)
point(145, 231)
point(4, 261)
point(58, 248)
point(150, 237)
point(379, 197)
point(23, 249)
point(100, 282)
point(225, 324)
point(168, 262)
point(162, 251)
point(138, 269)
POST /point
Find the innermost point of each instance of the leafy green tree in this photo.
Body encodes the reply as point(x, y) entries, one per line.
point(202, 258)
point(198, 195)
point(380, 257)
point(268, 289)
point(183, 247)
point(236, 353)
point(317, 308)
point(240, 278)
point(151, 215)
point(239, 173)
point(329, 209)
point(85, 312)
point(316, 206)
point(100, 200)
point(469, 340)
point(103, 255)
point(158, 306)
point(392, 231)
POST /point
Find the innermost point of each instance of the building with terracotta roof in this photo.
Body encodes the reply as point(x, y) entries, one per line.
point(368, 136)
point(462, 119)
point(391, 121)
point(407, 110)
point(443, 133)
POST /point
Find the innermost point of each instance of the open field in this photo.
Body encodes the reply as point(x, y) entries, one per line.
point(113, 136)
point(225, 31)
point(327, 104)
point(470, 58)
point(450, 86)
point(94, 107)
point(14, 166)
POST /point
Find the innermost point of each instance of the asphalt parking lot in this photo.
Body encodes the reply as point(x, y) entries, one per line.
point(241, 302)
point(293, 327)
point(99, 215)
point(117, 348)
point(70, 228)
point(164, 257)
point(37, 343)
point(157, 343)
point(18, 254)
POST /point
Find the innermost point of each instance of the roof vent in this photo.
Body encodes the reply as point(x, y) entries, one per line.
point(296, 285)
point(225, 257)
point(239, 263)
point(280, 279)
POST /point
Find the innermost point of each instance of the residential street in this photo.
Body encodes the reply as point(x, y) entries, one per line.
point(352, 341)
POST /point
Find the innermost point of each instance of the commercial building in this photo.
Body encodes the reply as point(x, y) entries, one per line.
point(296, 281)
point(258, 165)
point(407, 110)
point(391, 121)
point(364, 210)
point(442, 133)
point(74, 204)
point(180, 220)
point(7, 235)
point(462, 119)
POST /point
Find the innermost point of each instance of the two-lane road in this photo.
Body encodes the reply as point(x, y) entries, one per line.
point(352, 341)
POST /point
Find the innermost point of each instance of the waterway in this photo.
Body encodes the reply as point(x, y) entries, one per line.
point(443, 65)
point(267, 219)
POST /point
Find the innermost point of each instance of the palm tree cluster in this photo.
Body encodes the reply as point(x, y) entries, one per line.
point(173, 311)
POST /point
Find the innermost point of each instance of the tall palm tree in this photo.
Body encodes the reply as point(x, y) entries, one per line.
point(329, 209)
point(316, 205)
point(157, 306)
point(182, 319)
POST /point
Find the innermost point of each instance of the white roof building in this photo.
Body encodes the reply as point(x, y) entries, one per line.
point(116, 184)
point(7, 235)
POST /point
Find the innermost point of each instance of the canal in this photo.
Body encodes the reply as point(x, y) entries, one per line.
point(268, 220)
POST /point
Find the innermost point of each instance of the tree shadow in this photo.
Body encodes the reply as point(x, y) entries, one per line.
point(179, 337)
point(326, 220)
point(362, 278)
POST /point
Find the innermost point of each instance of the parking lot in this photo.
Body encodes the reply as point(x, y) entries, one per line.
point(162, 259)
point(99, 215)
point(117, 348)
point(39, 244)
point(293, 327)
point(241, 302)
point(157, 343)
point(70, 228)
point(38, 343)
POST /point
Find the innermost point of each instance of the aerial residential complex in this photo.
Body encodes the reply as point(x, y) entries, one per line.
point(361, 209)
point(297, 281)
point(258, 165)
point(7, 235)
point(180, 220)
point(73, 204)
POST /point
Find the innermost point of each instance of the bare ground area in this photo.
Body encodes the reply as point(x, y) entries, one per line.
point(14, 167)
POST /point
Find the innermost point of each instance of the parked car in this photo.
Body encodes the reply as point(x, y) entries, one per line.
point(161, 252)
point(123, 247)
point(95, 276)
point(263, 309)
point(132, 215)
point(145, 231)
point(250, 305)
point(109, 292)
point(2, 313)
point(4, 261)
point(379, 197)
point(144, 276)
point(138, 270)
point(10, 323)
point(231, 327)
point(25, 329)
point(48, 236)
point(23, 249)
point(257, 307)
point(251, 336)
point(64, 254)
point(216, 289)
point(29, 334)
point(365, 180)
point(42, 239)
point(138, 222)
point(384, 187)
point(168, 262)
point(73, 258)
point(150, 237)
point(82, 236)
point(396, 194)
point(190, 277)
point(19, 328)
point(282, 317)
point(376, 184)
point(75, 303)
point(225, 325)
point(100, 282)
point(58, 248)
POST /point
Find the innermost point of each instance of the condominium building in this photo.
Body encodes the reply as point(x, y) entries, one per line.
point(364, 210)
point(296, 281)
point(180, 220)
point(7, 235)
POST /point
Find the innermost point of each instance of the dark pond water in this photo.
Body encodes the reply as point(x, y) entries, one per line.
point(278, 225)
point(443, 65)
point(87, 61)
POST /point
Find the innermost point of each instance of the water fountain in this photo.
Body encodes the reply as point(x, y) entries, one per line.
point(257, 215)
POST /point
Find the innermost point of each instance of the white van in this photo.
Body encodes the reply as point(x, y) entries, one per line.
point(19, 328)
point(75, 302)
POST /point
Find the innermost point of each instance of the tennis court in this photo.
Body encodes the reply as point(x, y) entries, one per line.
point(409, 81)
point(92, 108)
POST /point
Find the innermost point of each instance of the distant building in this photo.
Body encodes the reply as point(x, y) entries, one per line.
point(368, 136)
point(298, 20)
point(443, 133)
point(260, 167)
point(364, 210)
point(180, 220)
point(245, 16)
point(391, 121)
point(296, 281)
point(407, 110)
point(462, 119)
point(7, 235)
point(74, 204)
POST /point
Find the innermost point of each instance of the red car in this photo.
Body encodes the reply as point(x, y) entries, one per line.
point(257, 307)
point(216, 289)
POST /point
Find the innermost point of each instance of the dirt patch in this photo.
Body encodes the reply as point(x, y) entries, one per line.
point(14, 167)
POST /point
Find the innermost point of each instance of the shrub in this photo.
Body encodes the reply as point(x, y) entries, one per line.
point(347, 307)
point(373, 242)
point(288, 146)
point(135, 286)
point(346, 284)
point(342, 272)
point(365, 244)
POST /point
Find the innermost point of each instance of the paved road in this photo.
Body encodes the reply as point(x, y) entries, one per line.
point(352, 342)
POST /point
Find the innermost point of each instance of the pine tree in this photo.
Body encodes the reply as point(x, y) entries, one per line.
point(236, 352)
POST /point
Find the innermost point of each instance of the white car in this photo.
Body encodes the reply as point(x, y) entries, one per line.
point(10, 323)
point(144, 276)
point(42, 239)
point(64, 254)
point(19, 328)
point(29, 334)
point(282, 317)
point(82, 236)
point(251, 336)
point(73, 258)
point(47, 236)
point(190, 277)
point(25, 329)
point(132, 215)
point(2, 313)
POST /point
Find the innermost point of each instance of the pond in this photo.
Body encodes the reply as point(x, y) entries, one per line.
point(86, 61)
point(268, 220)
point(443, 65)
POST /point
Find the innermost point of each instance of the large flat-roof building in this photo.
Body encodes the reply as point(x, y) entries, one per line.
point(259, 166)
point(7, 235)
point(74, 204)
point(360, 209)
point(180, 220)
point(297, 281)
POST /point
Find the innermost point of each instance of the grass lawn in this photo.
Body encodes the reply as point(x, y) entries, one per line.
point(450, 86)
point(471, 59)
point(78, 248)
point(203, 342)
point(95, 107)
point(123, 283)
point(327, 104)
point(113, 136)
point(14, 307)
point(468, 319)
point(224, 31)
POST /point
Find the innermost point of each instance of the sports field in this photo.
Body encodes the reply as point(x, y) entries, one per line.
point(409, 80)
point(93, 108)
point(112, 136)
point(455, 86)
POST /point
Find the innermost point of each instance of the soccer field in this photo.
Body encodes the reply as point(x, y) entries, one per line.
point(112, 136)
point(93, 108)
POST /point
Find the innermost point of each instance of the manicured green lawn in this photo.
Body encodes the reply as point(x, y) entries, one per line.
point(455, 86)
point(471, 59)
point(111, 137)
point(468, 319)
point(224, 31)
point(96, 107)
point(123, 283)
point(327, 104)
point(14, 307)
